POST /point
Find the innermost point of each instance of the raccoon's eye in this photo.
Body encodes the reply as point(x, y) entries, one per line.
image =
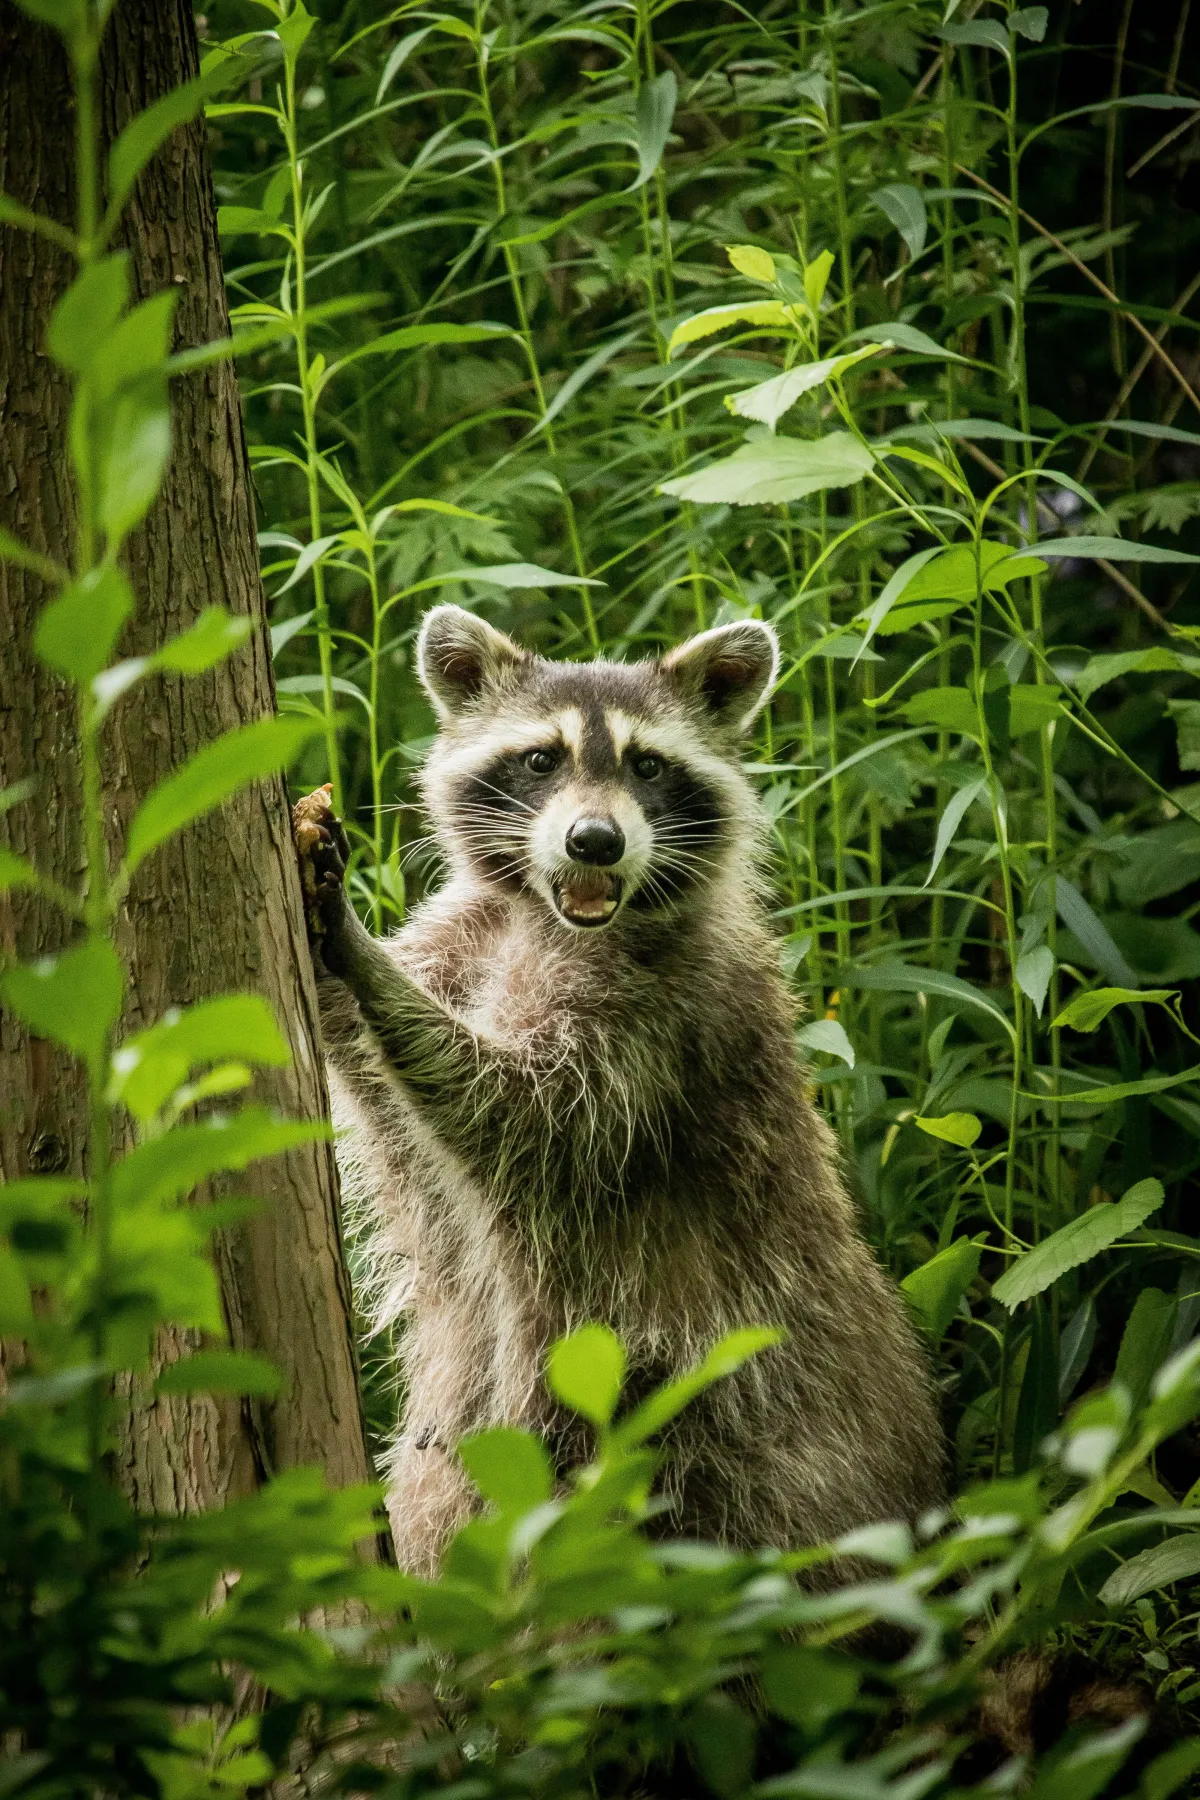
point(648, 767)
point(542, 762)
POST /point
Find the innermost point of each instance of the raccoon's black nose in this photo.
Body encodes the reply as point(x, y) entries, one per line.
point(596, 841)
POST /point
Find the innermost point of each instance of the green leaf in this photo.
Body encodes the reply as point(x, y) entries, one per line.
point(961, 1128)
point(213, 774)
point(906, 978)
point(239, 221)
point(1033, 971)
point(1077, 1242)
point(750, 261)
point(221, 1372)
point(88, 312)
point(1093, 935)
point(808, 1687)
point(520, 575)
point(585, 1372)
point(1031, 22)
point(984, 34)
point(1102, 669)
point(293, 30)
point(1168, 1772)
point(725, 1358)
point(73, 999)
point(653, 114)
point(136, 453)
point(1111, 549)
point(768, 313)
point(956, 810)
point(78, 631)
point(150, 1065)
point(168, 1167)
point(816, 278)
point(776, 470)
point(953, 709)
point(898, 336)
point(938, 1286)
point(1087, 1012)
point(1145, 1343)
point(151, 128)
point(1175, 1560)
point(15, 872)
point(829, 1036)
point(904, 205)
point(213, 636)
point(14, 551)
point(768, 402)
point(954, 575)
point(16, 1306)
point(510, 1468)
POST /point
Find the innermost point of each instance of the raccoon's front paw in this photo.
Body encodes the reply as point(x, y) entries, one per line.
point(322, 851)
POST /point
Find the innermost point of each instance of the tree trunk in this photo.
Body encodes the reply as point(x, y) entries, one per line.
point(218, 908)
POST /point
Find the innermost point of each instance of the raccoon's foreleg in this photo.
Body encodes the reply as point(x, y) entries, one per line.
point(474, 1089)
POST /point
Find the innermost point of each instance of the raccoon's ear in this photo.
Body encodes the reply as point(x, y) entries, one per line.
point(730, 670)
point(458, 655)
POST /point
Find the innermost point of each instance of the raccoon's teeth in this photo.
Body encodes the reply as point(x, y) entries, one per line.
point(589, 902)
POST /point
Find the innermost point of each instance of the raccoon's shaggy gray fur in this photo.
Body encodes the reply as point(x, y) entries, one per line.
point(574, 1095)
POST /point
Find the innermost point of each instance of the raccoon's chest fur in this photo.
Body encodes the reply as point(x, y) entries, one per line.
point(647, 1157)
point(634, 1174)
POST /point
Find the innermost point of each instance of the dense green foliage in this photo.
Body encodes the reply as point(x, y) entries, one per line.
point(469, 250)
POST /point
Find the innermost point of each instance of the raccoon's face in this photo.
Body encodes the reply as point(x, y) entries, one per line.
point(606, 789)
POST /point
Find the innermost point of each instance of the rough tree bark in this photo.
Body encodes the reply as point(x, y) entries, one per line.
point(218, 908)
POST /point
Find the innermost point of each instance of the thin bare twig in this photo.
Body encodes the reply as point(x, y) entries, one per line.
point(1043, 231)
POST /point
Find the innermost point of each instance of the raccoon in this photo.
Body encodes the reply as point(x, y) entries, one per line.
point(573, 1093)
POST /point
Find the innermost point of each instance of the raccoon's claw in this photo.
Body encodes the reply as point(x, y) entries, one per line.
point(322, 851)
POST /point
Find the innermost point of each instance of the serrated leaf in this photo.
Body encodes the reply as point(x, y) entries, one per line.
point(219, 770)
point(1077, 1242)
point(938, 1286)
point(509, 1467)
point(78, 631)
point(73, 999)
point(1102, 669)
point(961, 1128)
point(776, 470)
point(585, 1371)
point(769, 400)
point(765, 313)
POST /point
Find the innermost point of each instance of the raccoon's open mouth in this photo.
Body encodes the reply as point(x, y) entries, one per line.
point(588, 896)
